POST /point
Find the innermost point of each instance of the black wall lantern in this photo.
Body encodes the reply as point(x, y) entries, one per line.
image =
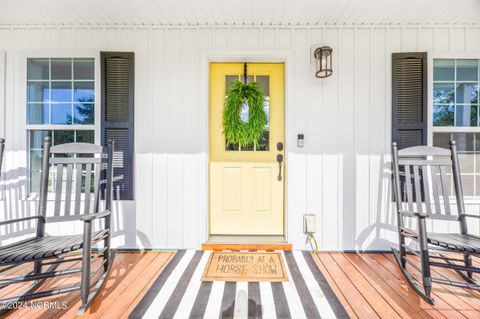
point(323, 62)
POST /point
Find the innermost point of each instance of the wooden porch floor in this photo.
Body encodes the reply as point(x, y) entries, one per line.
point(368, 285)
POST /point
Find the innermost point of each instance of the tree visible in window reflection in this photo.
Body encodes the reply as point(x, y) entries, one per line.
point(84, 111)
point(443, 115)
point(443, 95)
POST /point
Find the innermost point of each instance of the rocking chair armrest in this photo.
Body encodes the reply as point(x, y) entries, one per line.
point(89, 217)
point(471, 215)
point(413, 214)
point(17, 220)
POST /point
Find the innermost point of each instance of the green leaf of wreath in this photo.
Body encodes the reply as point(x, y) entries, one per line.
point(236, 131)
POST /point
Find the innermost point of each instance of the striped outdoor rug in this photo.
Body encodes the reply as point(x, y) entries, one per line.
point(178, 292)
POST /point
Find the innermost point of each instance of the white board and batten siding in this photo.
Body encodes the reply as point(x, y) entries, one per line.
point(342, 173)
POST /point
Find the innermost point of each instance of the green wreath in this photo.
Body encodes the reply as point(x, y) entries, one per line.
point(237, 131)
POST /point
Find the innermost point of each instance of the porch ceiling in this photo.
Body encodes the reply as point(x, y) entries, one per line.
point(239, 12)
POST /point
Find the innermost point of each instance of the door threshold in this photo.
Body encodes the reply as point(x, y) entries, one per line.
point(224, 242)
point(246, 239)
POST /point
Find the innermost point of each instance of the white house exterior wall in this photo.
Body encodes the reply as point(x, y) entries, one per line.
point(342, 173)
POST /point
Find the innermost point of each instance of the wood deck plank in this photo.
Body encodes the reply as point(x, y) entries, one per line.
point(376, 300)
point(358, 303)
point(440, 303)
point(400, 306)
point(402, 288)
point(338, 292)
point(467, 300)
point(138, 289)
point(122, 268)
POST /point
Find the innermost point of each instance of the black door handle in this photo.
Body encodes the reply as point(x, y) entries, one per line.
point(280, 161)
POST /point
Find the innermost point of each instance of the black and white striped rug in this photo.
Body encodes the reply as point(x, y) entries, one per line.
point(178, 292)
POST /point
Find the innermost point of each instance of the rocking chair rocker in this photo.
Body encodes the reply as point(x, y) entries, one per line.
point(87, 168)
point(422, 192)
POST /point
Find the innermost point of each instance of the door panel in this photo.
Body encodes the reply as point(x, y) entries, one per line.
point(246, 196)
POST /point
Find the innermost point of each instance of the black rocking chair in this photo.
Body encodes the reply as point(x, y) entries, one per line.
point(422, 177)
point(82, 176)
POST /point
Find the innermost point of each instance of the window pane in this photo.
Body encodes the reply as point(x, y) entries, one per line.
point(61, 92)
point(38, 92)
point(35, 170)
point(266, 109)
point(264, 82)
point(248, 147)
point(84, 113)
point(466, 115)
point(62, 137)
point(464, 142)
point(467, 93)
point(61, 69)
point(38, 69)
point(83, 69)
point(466, 162)
point(443, 115)
point(465, 147)
point(37, 113)
point(443, 92)
point(245, 112)
point(84, 92)
point(231, 147)
point(441, 139)
point(61, 113)
point(85, 137)
point(36, 139)
point(229, 79)
point(467, 70)
point(263, 142)
point(467, 185)
point(443, 70)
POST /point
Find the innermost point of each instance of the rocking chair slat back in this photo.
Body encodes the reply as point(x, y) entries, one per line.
point(436, 196)
point(445, 189)
point(72, 166)
point(426, 188)
point(88, 183)
point(409, 188)
point(425, 178)
point(58, 189)
point(2, 150)
point(68, 191)
point(78, 189)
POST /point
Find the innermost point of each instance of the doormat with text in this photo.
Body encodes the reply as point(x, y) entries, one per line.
point(245, 266)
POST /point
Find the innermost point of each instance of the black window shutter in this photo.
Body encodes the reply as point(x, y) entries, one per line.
point(409, 104)
point(118, 117)
point(409, 99)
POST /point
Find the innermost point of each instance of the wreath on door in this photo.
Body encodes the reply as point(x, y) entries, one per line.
point(243, 114)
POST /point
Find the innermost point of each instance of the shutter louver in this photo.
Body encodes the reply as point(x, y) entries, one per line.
point(116, 89)
point(117, 118)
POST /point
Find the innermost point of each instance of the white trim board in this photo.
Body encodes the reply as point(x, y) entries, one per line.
point(208, 57)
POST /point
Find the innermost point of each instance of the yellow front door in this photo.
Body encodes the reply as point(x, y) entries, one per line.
point(247, 184)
